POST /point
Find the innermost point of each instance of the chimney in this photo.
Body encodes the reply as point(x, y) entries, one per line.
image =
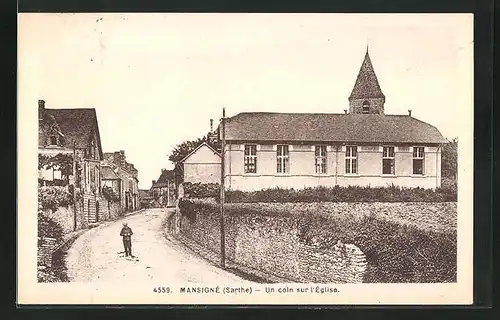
point(345, 111)
point(153, 182)
point(211, 125)
point(409, 112)
point(122, 158)
point(41, 108)
point(162, 170)
point(116, 159)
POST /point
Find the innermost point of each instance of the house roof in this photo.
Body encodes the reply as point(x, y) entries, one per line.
point(165, 177)
point(108, 156)
point(108, 173)
point(366, 85)
point(78, 125)
point(332, 127)
point(198, 147)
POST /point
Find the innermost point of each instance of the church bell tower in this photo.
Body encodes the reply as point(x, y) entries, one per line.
point(366, 96)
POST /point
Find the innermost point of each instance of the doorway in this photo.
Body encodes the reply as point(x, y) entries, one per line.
point(97, 211)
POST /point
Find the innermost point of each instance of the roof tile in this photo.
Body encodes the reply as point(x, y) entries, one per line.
point(332, 127)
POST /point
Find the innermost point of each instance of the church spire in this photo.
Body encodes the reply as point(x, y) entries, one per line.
point(366, 96)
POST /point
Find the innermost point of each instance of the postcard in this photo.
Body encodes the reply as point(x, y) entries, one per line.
point(245, 159)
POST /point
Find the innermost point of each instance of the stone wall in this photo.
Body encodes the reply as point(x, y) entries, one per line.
point(110, 211)
point(272, 245)
point(46, 248)
point(380, 242)
point(65, 217)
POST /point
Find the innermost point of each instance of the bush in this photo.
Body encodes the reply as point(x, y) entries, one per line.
point(109, 194)
point(201, 190)
point(47, 227)
point(345, 194)
point(53, 197)
point(395, 253)
point(447, 193)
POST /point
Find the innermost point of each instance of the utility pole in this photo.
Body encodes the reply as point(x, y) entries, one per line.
point(74, 185)
point(222, 192)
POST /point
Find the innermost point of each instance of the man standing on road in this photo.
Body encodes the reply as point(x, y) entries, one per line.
point(126, 234)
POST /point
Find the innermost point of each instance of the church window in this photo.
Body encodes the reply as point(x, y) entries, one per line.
point(351, 160)
point(250, 158)
point(388, 160)
point(282, 159)
point(418, 160)
point(320, 158)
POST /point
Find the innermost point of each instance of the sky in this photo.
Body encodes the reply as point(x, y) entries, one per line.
point(156, 80)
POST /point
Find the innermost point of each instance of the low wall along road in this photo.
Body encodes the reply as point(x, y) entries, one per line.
point(331, 242)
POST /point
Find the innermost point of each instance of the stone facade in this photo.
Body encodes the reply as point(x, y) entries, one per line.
point(367, 105)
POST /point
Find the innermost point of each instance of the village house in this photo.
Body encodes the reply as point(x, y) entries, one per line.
point(202, 165)
point(145, 198)
point(164, 189)
point(110, 178)
point(75, 133)
point(362, 146)
point(128, 185)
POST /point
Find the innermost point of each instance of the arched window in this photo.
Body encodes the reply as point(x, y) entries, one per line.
point(366, 107)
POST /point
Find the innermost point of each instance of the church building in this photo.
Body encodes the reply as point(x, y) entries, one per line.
point(362, 146)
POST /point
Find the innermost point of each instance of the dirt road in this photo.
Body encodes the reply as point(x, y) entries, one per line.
point(98, 256)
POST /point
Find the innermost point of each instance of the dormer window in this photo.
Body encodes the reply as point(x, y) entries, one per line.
point(53, 140)
point(366, 107)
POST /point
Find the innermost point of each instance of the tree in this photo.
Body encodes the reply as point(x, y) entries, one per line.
point(182, 150)
point(449, 158)
point(60, 161)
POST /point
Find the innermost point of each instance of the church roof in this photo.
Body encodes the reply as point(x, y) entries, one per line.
point(366, 85)
point(330, 127)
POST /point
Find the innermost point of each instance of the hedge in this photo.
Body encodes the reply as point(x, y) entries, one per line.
point(396, 253)
point(201, 190)
point(327, 194)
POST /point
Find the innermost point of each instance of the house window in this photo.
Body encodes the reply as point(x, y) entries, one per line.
point(418, 160)
point(87, 174)
point(366, 107)
point(282, 159)
point(320, 158)
point(53, 140)
point(351, 159)
point(250, 159)
point(388, 160)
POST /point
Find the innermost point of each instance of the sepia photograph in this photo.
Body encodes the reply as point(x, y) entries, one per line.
point(231, 158)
